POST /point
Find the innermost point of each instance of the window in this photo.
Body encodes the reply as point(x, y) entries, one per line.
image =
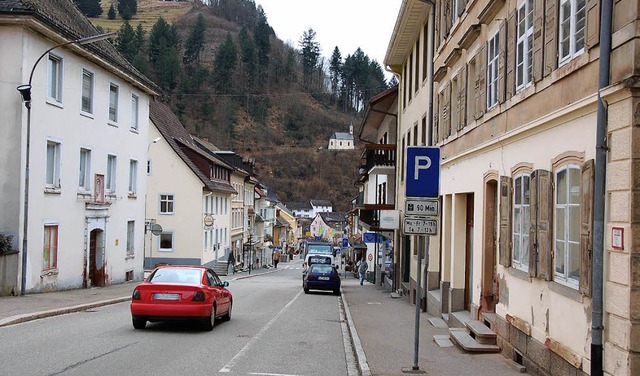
point(166, 242)
point(493, 54)
point(572, 29)
point(134, 112)
point(111, 174)
point(84, 178)
point(521, 220)
point(87, 91)
point(50, 248)
point(130, 238)
point(166, 204)
point(133, 176)
point(524, 47)
point(113, 103)
point(55, 78)
point(52, 175)
point(567, 225)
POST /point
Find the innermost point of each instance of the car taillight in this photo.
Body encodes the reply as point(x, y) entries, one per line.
point(198, 296)
point(135, 295)
point(311, 277)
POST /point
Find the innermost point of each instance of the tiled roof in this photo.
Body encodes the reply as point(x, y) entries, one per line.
point(342, 136)
point(298, 206)
point(180, 141)
point(66, 20)
point(321, 203)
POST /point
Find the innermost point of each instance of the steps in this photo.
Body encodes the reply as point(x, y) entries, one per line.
point(475, 337)
point(220, 267)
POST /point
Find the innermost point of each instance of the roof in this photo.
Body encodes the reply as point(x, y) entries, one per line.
point(342, 136)
point(333, 217)
point(184, 146)
point(64, 18)
point(411, 17)
point(281, 222)
point(321, 203)
point(299, 206)
point(379, 107)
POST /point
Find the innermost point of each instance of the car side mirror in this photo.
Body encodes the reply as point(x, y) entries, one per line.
point(225, 284)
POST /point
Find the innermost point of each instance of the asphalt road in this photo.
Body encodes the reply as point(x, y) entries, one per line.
point(275, 330)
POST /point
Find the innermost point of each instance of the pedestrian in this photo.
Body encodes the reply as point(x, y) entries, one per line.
point(276, 259)
point(362, 269)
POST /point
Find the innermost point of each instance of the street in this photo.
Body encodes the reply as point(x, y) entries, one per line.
point(275, 329)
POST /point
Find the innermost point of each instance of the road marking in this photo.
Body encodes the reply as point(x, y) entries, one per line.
point(249, 344)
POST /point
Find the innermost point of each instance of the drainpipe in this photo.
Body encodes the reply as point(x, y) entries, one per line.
point(599, 192)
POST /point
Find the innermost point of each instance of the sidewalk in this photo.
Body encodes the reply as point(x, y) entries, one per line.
point(382, 327)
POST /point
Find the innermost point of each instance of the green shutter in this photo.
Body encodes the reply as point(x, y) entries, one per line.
point(586, 223)
point(505, 221)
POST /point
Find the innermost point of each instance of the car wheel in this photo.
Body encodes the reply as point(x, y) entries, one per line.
point(138, 323)
point(336, 292)
point(210, 322)
point(227, 316)
point(306, 290)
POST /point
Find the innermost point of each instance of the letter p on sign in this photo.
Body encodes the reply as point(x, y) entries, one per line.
point(423, 172)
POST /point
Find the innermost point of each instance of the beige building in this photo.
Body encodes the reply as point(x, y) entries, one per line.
point(515, 113)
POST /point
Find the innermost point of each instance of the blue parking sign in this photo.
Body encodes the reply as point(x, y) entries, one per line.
point(423, 171)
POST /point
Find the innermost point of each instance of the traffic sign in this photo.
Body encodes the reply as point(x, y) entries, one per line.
point(421, 208)
point(423, 171)
point(420, 226)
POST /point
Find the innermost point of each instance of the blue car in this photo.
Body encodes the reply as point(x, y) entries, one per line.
point(321, 277)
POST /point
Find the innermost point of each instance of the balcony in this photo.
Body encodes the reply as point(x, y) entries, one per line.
point(379, 155)
point(371, 215)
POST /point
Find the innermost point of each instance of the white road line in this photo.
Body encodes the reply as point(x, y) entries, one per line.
point(246, 347)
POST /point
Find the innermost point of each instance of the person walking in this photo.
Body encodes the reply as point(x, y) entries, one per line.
point(276, 259)
point(362, 269)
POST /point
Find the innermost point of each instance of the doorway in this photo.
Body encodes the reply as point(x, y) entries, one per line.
point(489, 281)
point(97, 265)
point(468, 270)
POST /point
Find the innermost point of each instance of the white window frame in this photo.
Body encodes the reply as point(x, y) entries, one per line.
point(563, 222)
point(131, 231)
point(110, 179)
point(53, 165)
point(160, 241)
point(521, 221)
point(86, 97)
point(55, 75)
point(135, 106)
point(168, 199)
point(524, 45)
point(48, 241)
point(84, 171)
point(113, 102)
point(493, 73)
point(133, 176)
point(571, 29)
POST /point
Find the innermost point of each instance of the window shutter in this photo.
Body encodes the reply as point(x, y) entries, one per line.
point(461, 6)
point(436, 116)
point(448, 18)
point(502, 60)
point(593, 24)
point(437, 32)
point(462, 97)
point(543, 200)
point(505, 221)
point(586, 222)
point(538, 9)
point(511, 55)
point(446, 112)
point(533, 225)
point(550, 37)
point(481, 79)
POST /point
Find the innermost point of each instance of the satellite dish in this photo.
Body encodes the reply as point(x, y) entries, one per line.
point(156, 229)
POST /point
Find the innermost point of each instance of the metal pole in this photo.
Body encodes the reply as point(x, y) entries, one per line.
point(416, 343)
point(25, 228)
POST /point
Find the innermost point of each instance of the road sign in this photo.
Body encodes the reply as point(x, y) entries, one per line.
point(423, 171)
point(421, 208)
point(420, 226)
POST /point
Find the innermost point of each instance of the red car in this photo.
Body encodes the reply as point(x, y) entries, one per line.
point(181, 293)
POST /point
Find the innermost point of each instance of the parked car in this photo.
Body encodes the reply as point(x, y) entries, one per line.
point(321, 277)
point(181, 293)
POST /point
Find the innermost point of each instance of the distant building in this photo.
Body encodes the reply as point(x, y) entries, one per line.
point(304, 209)
point(342, 140)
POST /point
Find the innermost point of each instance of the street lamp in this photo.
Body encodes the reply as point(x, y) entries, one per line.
point(25, 92)
point(251, 215)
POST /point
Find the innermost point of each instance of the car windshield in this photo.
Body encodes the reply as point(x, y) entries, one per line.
point(320, 249)
point(177, 275)
point(321, 269)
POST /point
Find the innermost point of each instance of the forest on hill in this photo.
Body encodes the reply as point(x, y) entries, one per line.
point(229, 79)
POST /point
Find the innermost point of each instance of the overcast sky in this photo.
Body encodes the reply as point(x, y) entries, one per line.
point(347, 24)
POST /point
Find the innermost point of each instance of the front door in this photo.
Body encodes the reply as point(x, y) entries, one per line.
point(96, 258)
point(489, 285)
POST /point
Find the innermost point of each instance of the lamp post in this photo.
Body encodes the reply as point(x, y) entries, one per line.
point(251, 216)
point(25, 92)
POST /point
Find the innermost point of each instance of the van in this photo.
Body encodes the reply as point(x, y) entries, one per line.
point(318, 253)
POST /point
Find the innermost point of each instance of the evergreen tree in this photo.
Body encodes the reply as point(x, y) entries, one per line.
point(261, 35)
point(90, 8)
point(126, 42)
point(195, 42)
point(126, 13)
point(224, 65)
point(310, 52)
point(112, 13)
point(248, 57)
point(335, 72)
point(131, 4)
point(163, 53)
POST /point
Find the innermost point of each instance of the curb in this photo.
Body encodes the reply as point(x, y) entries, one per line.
point(17, 319)
point(361, 358)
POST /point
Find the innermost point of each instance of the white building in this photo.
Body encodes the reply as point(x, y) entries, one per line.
point(84, 140)
point(342, 140)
